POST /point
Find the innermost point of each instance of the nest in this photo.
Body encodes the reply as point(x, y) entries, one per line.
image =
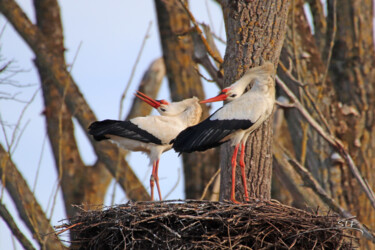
point(206, 225)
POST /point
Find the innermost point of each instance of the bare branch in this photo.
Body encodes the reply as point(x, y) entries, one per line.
point(27, 206)
point(7, 217)
point(215, 56)
point(310, 181)
point(134, 68)
point(209, 184)
point(13, 140)
point(75, 101)
point(75, 57)
point(331, 44)
point(175, 185)
point(335, 143)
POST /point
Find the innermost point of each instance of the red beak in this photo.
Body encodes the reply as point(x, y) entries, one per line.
point(153, 103)
point(221, 97)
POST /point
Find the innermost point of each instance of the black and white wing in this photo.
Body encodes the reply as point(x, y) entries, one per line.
point(127, 129)
point(208, 134)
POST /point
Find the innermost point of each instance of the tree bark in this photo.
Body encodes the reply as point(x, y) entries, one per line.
point(353, 75)
point(344, 98)
point(27, 206)
point(184, 82)
point(75, 102)
point(255, 32)
point(80, 184)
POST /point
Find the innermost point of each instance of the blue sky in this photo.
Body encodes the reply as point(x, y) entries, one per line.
point(110, 34)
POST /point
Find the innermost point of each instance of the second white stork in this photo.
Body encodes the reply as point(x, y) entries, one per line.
point(150, 134)
point(236, 120)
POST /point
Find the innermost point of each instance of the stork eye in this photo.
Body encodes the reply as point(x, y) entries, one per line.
point(162, 109)
point(234, 95)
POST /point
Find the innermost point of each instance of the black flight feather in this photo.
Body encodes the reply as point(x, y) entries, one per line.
point(101, 129)
point(207, 134)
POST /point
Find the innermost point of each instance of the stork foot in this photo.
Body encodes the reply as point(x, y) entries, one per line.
point(235, 201)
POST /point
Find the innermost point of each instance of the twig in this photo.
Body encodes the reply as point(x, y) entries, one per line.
point(5, 133)
point(3, 28)
point(332, 43)
point(134, 68)
point(75, 57)
point(216, 57)
point(209, 15)
point(68, 227)
point(175, 185)
point(310, 181)
point(4, 213)
point(330, 139)
point(209, 184)
point(307, 92)
point(39, 164)
point(290, 75)
point(199, 73)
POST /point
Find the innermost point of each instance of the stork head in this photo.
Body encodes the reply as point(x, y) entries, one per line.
point(162, 106)
point(227, 94)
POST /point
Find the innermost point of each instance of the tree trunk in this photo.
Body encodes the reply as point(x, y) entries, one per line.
point(27, 206)
point(80, 184)
point(184, 82)
point(74, 100)
point(255, 32)
point(344, 98)
point(353, 75)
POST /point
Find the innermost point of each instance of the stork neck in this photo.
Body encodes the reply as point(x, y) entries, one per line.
point(191, 114)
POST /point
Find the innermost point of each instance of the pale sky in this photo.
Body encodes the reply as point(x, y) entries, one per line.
point(111, 33)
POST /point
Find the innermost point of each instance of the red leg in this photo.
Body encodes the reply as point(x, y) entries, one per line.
point(242, 165)
point(234, 158)
point(152, 180)
point(157, 179)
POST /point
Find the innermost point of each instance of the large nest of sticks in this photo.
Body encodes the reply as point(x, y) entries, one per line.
point(207, 225)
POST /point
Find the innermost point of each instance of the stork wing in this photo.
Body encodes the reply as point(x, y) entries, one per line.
point(101, 129)
point(250, 110)
point(208, 134)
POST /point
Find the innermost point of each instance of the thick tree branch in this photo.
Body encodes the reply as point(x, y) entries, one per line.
point(77, 105)
point(81, 189)
point(184, 82)
point(310, 181)
point(333, 141)
point(27, 206)
point(150, 85)
point(7, 217)
point(211, 52)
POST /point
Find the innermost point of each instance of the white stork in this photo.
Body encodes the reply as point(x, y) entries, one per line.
point(236, 120)
point(150, 134)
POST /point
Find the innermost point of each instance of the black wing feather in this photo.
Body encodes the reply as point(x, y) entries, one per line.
point(101, 129)
point(207, 134)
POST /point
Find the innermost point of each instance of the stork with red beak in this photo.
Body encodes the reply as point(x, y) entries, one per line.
point(150, 134)
point(236, 120)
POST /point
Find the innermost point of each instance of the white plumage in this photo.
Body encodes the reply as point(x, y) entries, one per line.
point(150, 134)
point(236, 120)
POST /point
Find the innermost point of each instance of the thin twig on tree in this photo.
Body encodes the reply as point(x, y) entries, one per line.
point(307, 92)
point(39, 163)
point(75, 57)
point(7, 217)
point(209, 184)
point(311, 182)
point(336, 143)
point(331, 44)
point(13, 140)
point(134, 68)
point(74, 100)
point(216, 57)
point(175, 185)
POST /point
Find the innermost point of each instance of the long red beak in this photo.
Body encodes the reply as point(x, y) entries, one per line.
point(153, 103)
point(221, 97)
